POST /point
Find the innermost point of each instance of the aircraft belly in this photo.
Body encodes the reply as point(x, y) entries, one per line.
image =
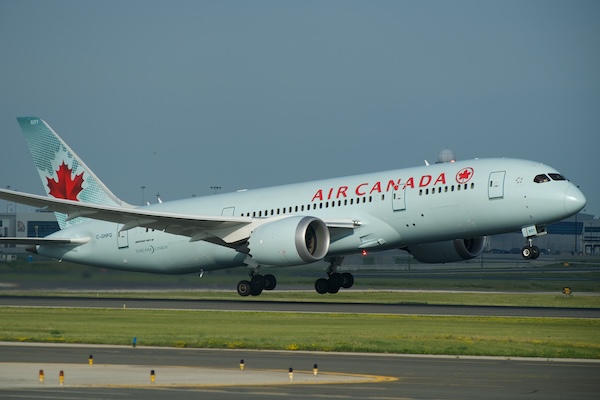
point(170, 255)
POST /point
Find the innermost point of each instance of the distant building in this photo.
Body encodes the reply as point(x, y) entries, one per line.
point(25, 224)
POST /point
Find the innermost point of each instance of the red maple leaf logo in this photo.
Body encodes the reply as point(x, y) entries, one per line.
point(65, 187)
point(464, 175)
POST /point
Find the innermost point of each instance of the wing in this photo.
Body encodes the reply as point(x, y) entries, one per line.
point(197, 227)
point(219, 229)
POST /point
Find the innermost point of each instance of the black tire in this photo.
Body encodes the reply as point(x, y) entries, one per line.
point(258, 283)
point(535, 252)
point(244, 288)
point(333, 287)
point(526, 252)
point(336, 280)
point(270, 282)
point(347, 280)
point(322, 285)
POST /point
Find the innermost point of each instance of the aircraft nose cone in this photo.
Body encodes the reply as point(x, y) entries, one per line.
point(574, 200)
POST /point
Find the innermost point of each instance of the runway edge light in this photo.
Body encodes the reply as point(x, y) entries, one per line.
point(41, 376)
point(152, 376)
point(91, 360)
point(291, 374)
point(315, 370)
point(242, 365)
point(61, 378)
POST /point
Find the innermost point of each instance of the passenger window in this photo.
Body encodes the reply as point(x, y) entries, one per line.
point(541, 178)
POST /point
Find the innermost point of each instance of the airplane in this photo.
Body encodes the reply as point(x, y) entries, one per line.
point(439, 213)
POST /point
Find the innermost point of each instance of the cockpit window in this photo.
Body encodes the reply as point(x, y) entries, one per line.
point(557, 177)
point(541, 178)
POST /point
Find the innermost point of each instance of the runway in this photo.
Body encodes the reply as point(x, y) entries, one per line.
point(277, 306)
point(408, 377)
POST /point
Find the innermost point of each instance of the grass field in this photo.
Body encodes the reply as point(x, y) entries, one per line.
point(497, 336)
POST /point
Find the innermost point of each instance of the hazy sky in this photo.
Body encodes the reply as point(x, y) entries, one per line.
point(179, 96)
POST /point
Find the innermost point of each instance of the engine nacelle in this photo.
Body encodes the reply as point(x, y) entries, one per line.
point(449, 251)
point(294, 240)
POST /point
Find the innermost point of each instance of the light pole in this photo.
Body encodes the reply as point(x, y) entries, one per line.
point(143, 187)
point(215, 188)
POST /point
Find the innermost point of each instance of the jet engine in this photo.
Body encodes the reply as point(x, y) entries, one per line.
point(294, 240)
point(449, 251)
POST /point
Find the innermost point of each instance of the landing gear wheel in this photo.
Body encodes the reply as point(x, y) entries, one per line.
point(322, 285)
point(244, 288)
point(530, 252)
point(333, 287)
point(526, 252)
point(257, 282)
point(336, 279)
point(347, 280)
point(270, 282)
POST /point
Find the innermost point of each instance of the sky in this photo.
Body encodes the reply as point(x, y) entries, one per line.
point(182, 96)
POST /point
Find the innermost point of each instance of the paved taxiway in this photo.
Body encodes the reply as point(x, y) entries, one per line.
point(410, 377)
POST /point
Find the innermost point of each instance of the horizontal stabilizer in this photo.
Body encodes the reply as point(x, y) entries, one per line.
point(30, 241)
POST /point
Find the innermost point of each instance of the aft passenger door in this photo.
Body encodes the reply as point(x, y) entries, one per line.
point(122, 237)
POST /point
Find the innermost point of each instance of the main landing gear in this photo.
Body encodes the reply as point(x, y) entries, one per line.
point(336, 280)
point(256, 284)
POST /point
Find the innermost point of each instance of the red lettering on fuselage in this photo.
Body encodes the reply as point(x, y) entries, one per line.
point(360, 189)
point(342, 191)
point(425, 180)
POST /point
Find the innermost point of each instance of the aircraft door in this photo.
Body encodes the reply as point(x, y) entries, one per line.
point(122, 237)
point(496, 185)
point(398, 198)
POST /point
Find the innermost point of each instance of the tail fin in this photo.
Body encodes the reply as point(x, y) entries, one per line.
point(62, 172)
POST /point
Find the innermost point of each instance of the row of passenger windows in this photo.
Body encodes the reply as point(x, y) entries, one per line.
point(446, 189)
point(541, 178)
point(314, 206)
point(346, 202)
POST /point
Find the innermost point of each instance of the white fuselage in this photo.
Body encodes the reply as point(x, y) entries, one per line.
point(393, 209)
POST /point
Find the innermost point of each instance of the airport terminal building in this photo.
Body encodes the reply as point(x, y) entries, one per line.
point(579, 234)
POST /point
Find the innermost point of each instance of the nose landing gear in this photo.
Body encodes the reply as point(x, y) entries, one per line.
point(529, 251)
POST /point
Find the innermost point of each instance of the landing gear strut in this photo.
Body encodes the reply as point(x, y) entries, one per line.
point(256, 284)
point(336, 280)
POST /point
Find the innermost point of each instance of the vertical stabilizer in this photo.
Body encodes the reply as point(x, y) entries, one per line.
point(62, 172)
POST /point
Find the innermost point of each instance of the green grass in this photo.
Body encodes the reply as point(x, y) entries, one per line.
point(497, 336)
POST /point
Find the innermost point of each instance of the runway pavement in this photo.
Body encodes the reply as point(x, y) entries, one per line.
point(275, 306)
point(215, 374)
